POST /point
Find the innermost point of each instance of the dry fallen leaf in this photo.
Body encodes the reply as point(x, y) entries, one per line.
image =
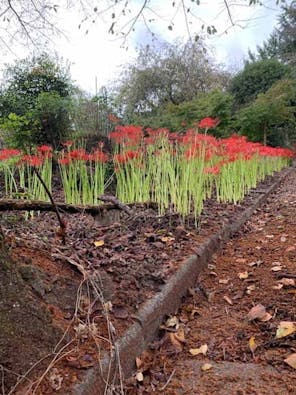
point(176, 342)
point(99, 243)
point(201, 350)
point(269, 236)
point(276, 268)
point(227, 299)
point(167, 239)
point(139, 376)
point(55, 379)
point(285, 328)
point(243, 275)
point(290, 249)
point(171, 322)
point(256, 312)
point(278, 286)
point(250, 288)
point(224, 281)
point(287, 282)
point(206, 366)
point(240, 260)
point(291, 360)
point(252, 344)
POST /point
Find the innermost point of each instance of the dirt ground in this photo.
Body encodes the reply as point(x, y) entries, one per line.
point(242, 354)
point(94, 286)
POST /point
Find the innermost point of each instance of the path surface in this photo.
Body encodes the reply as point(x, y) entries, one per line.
point(257, 266)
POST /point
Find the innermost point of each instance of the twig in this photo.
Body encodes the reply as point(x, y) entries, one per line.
point(62, 230)
point(168, 381)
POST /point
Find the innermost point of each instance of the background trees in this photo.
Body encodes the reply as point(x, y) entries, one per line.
point(168, 74)
point(35, 102)
point(256, 77)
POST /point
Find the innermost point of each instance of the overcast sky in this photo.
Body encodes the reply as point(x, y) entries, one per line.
point(99, 54)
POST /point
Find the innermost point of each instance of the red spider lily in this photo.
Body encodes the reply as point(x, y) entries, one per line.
point(45, 150)
point(9, 153)
point(212, 170)
point(64, 161)
point(32, 160)
point(99, 156)
point(79, 154)
point(126, 156)
point(208, 123)
point(128, 135)
point(68, 143)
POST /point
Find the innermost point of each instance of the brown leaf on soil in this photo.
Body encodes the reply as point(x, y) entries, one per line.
point(201, 350)
point(285, 328)
point(55, 379)
point(228, 300)
point(243, 275)
point(99, 243)
point(291, 360)
point(206, 366)
point(287, 282)
point(240, 260)
point(256, 312)
point(252, 344)
point(175, 342)
point(224, 281)
point(276, 268)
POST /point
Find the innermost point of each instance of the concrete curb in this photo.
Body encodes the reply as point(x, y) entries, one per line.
point(151, 315)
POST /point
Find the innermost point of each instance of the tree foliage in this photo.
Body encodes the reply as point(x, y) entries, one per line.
point(271, 117)
point(255, 78)
point(171, 73)
point(36, 95)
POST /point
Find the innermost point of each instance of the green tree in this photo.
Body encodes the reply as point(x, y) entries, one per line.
point(40, 90)
point(215, 104)
point(171, 73)
point(256, 78)
point(271, 117)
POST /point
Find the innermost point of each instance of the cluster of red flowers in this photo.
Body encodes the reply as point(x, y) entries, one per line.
point(208, 123)
point(81, 155)
point(7, 153)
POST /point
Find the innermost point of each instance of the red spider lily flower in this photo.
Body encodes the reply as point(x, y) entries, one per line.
point(67, 144)
point(32, 160)
point(9, 153)
point(99, 156)
point(208, 123)
point(130, 134)
point(212, 170)
point(64, 161)
point(79, 154)
point(45, 150)
point(126, 156)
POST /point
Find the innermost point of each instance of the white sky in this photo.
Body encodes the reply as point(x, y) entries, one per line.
point(99, 54)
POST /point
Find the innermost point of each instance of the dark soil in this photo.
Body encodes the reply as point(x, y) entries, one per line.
point(93, 287)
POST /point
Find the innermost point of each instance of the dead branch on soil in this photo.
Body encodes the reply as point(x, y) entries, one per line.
point(37, 205)
point(62, 230)
point(112, 199)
